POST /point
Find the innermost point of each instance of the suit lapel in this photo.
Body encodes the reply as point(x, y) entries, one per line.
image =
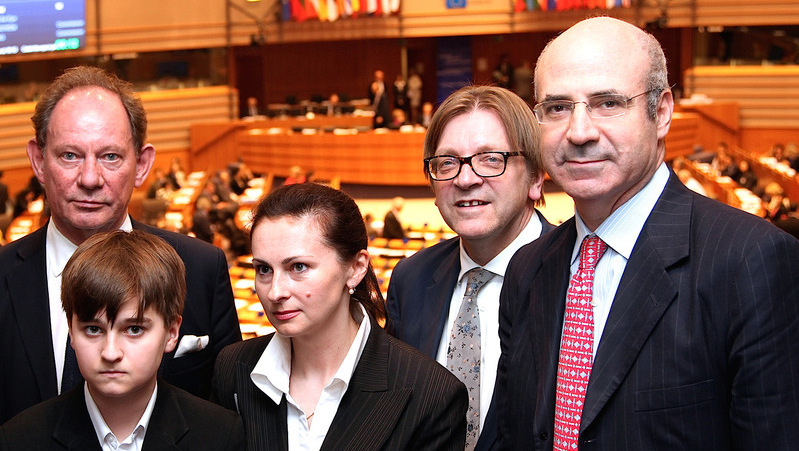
point(548, 293)
point(264, 418)
point(369, 410)
point(167, 424)
point(74, 428)
point(645, 292)
point(437, 300)
point(27, 284)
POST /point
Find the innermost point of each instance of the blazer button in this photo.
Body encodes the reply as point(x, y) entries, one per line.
point(543, 436)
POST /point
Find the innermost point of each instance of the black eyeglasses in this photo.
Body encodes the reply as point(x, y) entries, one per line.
point(484, 164)
point(599, 106)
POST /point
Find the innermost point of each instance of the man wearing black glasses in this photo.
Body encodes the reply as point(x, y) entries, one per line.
point(483, 160)
point(655, 318)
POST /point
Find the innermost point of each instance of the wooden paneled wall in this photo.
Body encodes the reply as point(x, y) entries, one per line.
point(767, 96)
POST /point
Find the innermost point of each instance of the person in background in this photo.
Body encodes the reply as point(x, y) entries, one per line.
point(776, 205)
point(398, 119)
point(483, 160)
point(503, 72)
point(240, 176)
point(296, 175)
point(655, 318)
point(123, 294)
point(415, 85)
point(523, 81)
point(378, 98)
point(745, 176)
point(330, 378)
point(333, 107)
point(90, 152)
point(176, 174)
point(400, 92)
point(201, 225)
point(392, 223)
point(253, 111)
point(722, 160)
point(427, 115)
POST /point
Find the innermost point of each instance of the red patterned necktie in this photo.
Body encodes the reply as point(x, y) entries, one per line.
point(576, 356)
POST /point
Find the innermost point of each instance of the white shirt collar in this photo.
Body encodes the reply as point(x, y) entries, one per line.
point(272, 372)
point(107, 439)
point(59, 249)
point(620, 230)
point(499, 264)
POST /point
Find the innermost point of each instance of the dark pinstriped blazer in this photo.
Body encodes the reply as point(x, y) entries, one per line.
point(700, 347)
point(398, 399)
point(179, 421)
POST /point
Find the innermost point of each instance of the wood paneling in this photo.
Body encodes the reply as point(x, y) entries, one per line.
point(370, 158)
point(768, 96)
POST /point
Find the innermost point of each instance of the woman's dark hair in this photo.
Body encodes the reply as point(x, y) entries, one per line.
point(342, 226)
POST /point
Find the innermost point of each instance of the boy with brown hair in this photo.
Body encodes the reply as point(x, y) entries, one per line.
point(123, 293)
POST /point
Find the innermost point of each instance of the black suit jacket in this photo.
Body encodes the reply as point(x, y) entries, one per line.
point(27, 375)
point(419, 296)
point(397, 399)
point(180, 421)
point(699, 349)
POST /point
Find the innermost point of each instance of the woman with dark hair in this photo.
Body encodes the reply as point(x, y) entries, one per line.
point(330, 378)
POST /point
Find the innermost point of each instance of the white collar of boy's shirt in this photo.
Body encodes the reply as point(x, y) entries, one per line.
point(272, 372)
point(58, 250)
point(620, 230)
point(107, 439)
point(499, 264)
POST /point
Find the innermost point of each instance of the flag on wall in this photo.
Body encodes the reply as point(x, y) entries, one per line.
point(332, 10)
point(562, 5)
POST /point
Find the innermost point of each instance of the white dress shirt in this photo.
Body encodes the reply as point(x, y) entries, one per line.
point(488, 306)
point(58, 250)
point(107, 439)
point(272, 374)
point(620, 232)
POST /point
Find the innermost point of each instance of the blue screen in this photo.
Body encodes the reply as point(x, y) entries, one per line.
point(33, 26)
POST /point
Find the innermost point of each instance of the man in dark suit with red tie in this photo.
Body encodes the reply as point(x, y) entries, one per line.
point(90, 152)
point(678, 330)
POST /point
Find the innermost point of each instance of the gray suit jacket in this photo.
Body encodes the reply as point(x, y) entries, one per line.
point(27, 375)
point(397, 399)
point(418, 304)
point(179, 421)
point(699, 349)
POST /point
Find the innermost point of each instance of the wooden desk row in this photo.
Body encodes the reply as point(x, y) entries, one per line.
point(767, 172)
point(724, 189)
point(370, 158)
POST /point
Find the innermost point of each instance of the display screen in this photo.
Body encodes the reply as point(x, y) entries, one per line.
point(33, 26)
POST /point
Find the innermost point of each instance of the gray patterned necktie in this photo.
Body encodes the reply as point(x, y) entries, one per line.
point(463, 354)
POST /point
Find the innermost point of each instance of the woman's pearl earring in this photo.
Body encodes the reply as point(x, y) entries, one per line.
point(352, 290)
